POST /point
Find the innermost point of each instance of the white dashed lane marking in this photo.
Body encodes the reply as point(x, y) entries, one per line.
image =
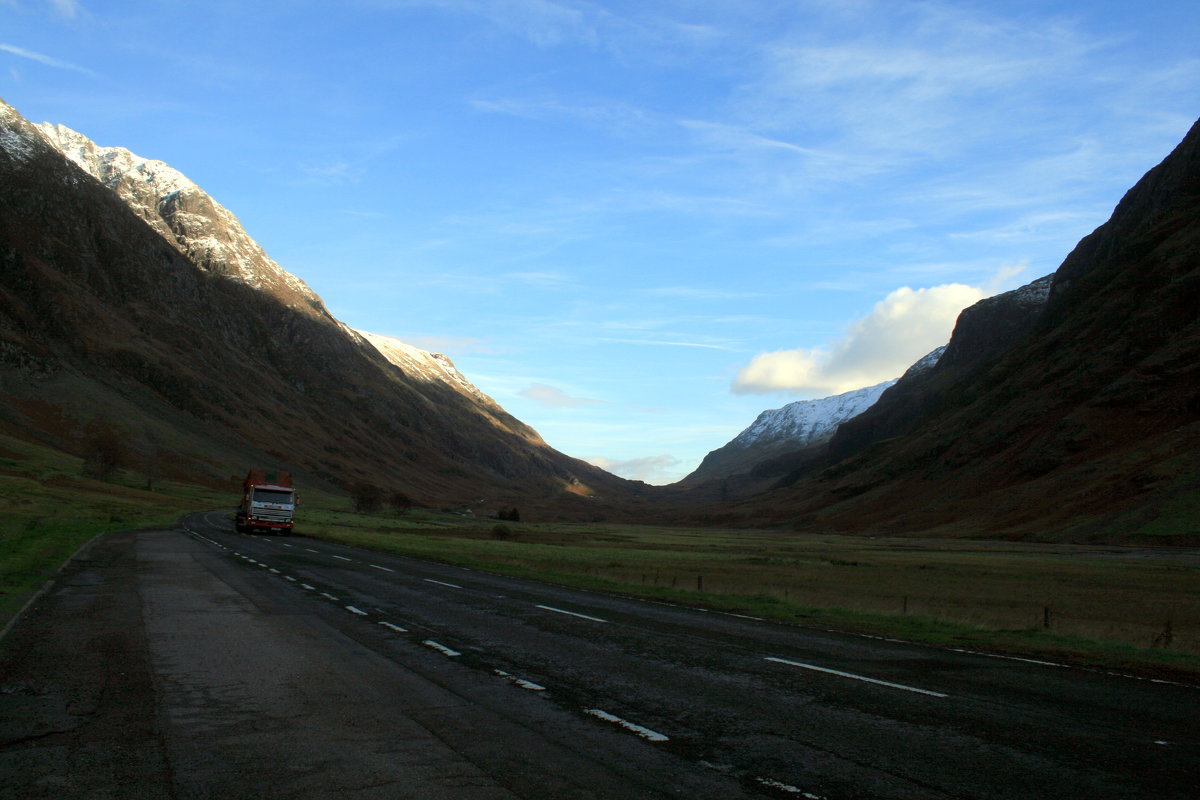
point(852, 676)
point(443, 583)
point(441, 648)
point(645, 733)
point(571, 613)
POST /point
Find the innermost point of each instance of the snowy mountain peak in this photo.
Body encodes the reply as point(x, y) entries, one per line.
point(808, 421)
point(182, 213)
point(110, 165)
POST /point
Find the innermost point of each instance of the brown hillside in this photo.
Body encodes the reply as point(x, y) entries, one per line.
point(104, 322)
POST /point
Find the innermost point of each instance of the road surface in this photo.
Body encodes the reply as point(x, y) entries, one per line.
point(201, 663)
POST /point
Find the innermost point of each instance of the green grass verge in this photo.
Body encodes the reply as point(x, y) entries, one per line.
point(48, 510)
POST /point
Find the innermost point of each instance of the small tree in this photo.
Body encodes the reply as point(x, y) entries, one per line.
point(400, 502)
point(367, 498)
point(104, 452)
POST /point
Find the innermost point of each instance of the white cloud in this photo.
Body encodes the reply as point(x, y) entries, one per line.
point(49, 61)
point(651, 469)
point(552, 397)
point(902, 328)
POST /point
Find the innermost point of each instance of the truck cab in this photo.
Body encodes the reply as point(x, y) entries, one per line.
point(268, 503)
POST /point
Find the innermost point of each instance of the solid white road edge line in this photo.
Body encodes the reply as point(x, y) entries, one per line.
point(645, 733)
point(856, 677)
point(571, 613)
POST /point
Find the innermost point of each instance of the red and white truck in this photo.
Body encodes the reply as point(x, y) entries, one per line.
point(268, 503)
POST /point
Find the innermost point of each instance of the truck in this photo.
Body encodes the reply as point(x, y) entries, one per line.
point(268, 503)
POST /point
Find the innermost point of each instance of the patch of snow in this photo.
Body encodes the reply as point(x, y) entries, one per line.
point(214, 236)
point(415, 361)
point(807, 421)
point(926, 363)
point(1034, 293)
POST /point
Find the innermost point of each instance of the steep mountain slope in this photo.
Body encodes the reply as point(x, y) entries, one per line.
point(802, 425)
point(1085, 422)
point(199, 227)
point(131, 301)
point(982, 330)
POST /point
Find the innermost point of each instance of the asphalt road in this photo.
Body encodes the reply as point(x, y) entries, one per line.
point(201, 663)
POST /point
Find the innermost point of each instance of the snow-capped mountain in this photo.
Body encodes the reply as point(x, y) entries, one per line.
point(182, 213)
point(133, 300)
point(805, 422)
point(212, 238)
point(796, 426)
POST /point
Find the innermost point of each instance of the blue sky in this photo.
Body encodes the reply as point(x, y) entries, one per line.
point(636, 224)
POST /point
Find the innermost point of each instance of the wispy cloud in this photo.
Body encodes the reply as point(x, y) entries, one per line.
point(671, 343)
point(702, 293)
point(66, 8)
point(542, 280)
point(552, 397)
point(651, 469)
point(542, 22)
point(41, 58)
point(614, 117)
point(333, 172)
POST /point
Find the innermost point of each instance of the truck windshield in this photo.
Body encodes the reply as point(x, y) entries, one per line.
point(272, 496)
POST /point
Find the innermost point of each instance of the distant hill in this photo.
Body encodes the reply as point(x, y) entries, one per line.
point(134, 303)
point(804, 425)
point(1073, 417)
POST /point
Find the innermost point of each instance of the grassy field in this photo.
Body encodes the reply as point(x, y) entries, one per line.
point(48, 509)
point(1104, 605)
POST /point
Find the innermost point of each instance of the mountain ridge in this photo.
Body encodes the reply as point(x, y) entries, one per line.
point(799, 425)
point(100, 293)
